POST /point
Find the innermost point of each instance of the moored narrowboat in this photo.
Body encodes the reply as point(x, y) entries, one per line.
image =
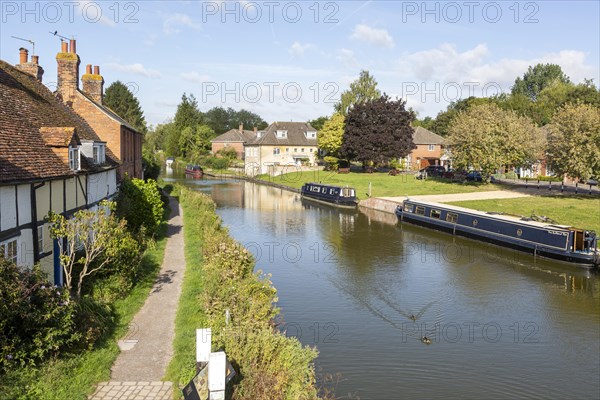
point(333, 195)
point(555, 241)
point(195, 171)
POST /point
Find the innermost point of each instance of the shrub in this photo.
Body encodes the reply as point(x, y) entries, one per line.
point(331, 163)
point(228, 153)
point(217, 162)
point(511, 175)
point(140, 204)
point(36, 318)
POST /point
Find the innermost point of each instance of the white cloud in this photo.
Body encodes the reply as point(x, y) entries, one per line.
point(137, 69)
point(175, 22)
point(194, 77)
point(378, 37)
point(298, 49)
point(347, 58)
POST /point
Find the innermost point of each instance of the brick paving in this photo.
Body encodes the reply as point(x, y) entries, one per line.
point(147, 348)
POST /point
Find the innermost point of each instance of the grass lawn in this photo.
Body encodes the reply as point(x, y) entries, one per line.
point(579, 211)
point(382, 184)
point(74, 377)
point(189, 316)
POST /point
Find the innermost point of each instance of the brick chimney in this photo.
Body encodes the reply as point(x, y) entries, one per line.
point(32, 68)
point(93, 83)
point(241, 128)
point(68, 71)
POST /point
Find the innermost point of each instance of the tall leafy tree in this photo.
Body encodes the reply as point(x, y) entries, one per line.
point(574, 141)
point(318, 122)
point(361, 90)
point(377, 131)
point(187, 113)
point(537, 78)
point(487, 137)
point(195, 141)
point(330, 135)
point(119, 98)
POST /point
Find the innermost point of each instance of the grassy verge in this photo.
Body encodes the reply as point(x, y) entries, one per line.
point(189, 315)
point(74, 376)
point(382, 185)
point(579, 211)
point(219, 281)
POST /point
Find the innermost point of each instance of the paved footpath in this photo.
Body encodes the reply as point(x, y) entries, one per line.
point(448, 198)
point(147, 348)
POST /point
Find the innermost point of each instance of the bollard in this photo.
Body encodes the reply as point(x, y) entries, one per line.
point(562, 186)
point(550, 186)
point(590, 189)
point(576, 185)
point(538, 184)
point(525, 182)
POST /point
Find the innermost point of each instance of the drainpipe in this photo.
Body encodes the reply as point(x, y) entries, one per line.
point(34, 224)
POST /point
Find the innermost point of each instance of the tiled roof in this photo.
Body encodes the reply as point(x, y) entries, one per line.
point(295, 135)
point(57, 136)
point(423, 136)
point(109, 112)
point(26, 107)
point(234, 135)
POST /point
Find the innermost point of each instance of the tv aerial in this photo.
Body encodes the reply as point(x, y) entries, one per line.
point(55, 33)
point(27, 40)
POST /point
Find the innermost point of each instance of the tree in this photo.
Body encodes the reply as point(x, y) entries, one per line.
point(442, 122)
point(574, 141)
point(195, 141)
point(118, 98)
point(486, 137)
point(377, 131)
point(188, 114)
point(361, 90)
point(330, 136)
point(318, 123)
point(537, 78)
point(93, 234)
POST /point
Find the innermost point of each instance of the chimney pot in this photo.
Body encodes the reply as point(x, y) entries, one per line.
point(88, 69)
point(23, 55)
point(73, 46)
point(35, 59)
point(64, 47)
point(96, 70)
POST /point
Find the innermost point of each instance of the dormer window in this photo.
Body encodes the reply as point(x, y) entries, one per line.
point(259, 134)
point(281, 134)
point(74, 161)
point(311, 134)
point(99, 153)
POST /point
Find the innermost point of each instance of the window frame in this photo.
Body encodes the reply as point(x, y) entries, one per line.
point(5, 247)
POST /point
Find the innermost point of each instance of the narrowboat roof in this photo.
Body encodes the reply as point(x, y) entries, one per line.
point(490, 214)
point(329, 186)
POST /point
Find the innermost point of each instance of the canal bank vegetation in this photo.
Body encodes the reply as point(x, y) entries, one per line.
point(56, 344)
point(222, 291)
point(582, 211)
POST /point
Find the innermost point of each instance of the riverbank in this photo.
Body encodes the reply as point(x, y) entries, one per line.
point(220, 280)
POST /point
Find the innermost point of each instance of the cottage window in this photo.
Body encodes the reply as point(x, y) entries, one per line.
point(311, 150)
point(9, 250)
point(99, 153)
point(431, 147)
point(40, 233)
point(287, 149)
point(74, 158)
point(310, 134)
point(276, 151)
point(303, 149)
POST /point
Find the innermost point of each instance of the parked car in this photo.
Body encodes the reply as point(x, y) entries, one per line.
point(432, 170)
point(474, 176)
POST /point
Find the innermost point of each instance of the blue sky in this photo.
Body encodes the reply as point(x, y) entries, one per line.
point(289, 60)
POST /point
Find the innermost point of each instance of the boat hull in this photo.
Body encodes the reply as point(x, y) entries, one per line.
point(346, 205)
point(536, 249)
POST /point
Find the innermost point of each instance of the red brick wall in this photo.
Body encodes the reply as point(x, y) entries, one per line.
point(422, 152)
point(237, 146)
point(131, 153)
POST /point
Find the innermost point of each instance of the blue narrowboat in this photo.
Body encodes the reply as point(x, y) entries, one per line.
point(541, 239)
point(333, 195)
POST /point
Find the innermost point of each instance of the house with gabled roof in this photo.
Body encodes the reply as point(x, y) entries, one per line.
point(123, 139)
point(235, 139)
point(430, 150)
point(282, 144)
point(51, 159)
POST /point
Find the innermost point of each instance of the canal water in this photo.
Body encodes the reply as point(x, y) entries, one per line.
point(365, 290)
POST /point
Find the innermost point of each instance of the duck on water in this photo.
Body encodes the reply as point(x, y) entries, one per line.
point(549, 240)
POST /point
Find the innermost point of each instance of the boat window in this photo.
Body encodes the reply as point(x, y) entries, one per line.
point(324, 190)
point(435, 214)
point(519, 232)
point(475, 222)
point(420, 210)
point(408, 207)
point(331, 191)
point(451, 217)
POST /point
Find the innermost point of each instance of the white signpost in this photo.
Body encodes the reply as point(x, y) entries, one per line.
point(203, 343)
point(217, 374)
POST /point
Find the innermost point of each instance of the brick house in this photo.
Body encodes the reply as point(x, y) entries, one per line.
point(430, 150)
point(50, 160)
point(124, 141)
point(235, 139)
